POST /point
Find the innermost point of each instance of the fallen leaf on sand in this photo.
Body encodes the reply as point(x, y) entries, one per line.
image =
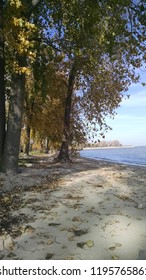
point(71, 238)
point(49, 256)
point(90, 210)
point(81, 244)
point(69, 258)
point(112, 248)
point(7, 200)
point(79, 232)
point(50, 241)
point(115, 257)
point(76, 219)
point(53, 224)
point(29, 229)
point(90, 243)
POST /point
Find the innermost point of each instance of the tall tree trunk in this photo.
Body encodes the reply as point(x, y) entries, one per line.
point(10, 147)
point(64, 151)
point(12, 139)
point(27, 144)
point(2, 84)
point(47, 145)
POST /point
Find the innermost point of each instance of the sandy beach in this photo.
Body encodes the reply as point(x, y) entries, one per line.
point(85, 210)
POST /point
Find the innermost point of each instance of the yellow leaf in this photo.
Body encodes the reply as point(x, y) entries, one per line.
point(90, 243)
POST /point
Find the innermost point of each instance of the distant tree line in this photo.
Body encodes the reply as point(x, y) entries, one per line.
point(113, 143)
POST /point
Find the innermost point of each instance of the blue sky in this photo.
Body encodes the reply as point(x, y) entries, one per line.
point(129, 125)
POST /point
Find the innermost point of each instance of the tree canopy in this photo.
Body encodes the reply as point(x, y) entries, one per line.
point(66, 65)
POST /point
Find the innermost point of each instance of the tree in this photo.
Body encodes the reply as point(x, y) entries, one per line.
point(44, 98)
point(2, 83)
point(92, 35)
point(101, 42)
point(19, 30)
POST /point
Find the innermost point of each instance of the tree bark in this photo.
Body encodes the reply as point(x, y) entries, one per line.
point(12, 139)
point(64, 151)
point(27, 144)
point(47, 145)
point(2, 84)
point(10, 144)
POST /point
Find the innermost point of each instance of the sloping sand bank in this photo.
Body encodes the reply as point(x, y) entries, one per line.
point(85, 210)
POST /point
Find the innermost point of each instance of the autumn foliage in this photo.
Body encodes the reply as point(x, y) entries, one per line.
point(66, 65)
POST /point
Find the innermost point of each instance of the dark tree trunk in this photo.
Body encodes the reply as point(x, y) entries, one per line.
point(2, 84)
point(27, 144)
point(11, 142)
point(12, 139)
point(64, 151)
point(47, 145)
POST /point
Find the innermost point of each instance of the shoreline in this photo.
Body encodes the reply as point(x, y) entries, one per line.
point(111, 147)
point(115, 162)
point(86, 209)
point(122, 155)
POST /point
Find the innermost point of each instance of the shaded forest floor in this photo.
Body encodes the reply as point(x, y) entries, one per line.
point(82, 210)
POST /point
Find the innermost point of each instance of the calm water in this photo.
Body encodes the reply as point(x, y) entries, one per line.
point(131, 155)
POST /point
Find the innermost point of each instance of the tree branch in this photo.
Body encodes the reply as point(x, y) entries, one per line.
point(45, 40)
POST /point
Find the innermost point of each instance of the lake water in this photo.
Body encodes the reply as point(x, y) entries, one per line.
point(128, 155)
